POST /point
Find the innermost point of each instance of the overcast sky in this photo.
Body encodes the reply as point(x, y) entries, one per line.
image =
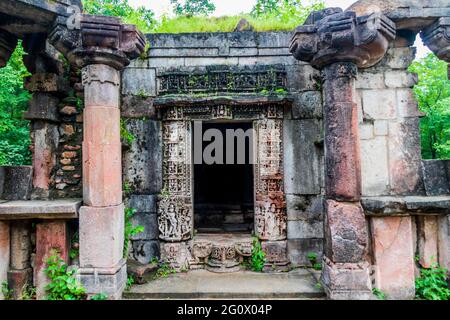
point(232, 7)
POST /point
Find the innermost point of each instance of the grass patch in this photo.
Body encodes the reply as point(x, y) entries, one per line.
point(183, 24)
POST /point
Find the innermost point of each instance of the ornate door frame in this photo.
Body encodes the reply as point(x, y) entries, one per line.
point(175, 204)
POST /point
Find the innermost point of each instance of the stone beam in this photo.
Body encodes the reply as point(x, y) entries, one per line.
point(31, 16)
point(339, 43)
point(437, 38)
point(101, 47)
point(413, 15)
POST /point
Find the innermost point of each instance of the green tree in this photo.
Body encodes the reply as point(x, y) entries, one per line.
point(142, 17)
point(193, 7)
point(433, 95)
point(14, 130)
point(286, 9)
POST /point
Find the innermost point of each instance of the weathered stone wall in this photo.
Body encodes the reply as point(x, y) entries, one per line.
point(393, 170)
point(389, 124)
point(303, 134)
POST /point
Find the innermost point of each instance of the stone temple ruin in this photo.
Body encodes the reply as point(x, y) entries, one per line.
point(337, 167)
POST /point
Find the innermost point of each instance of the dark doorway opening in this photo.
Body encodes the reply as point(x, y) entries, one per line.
point(224, 193)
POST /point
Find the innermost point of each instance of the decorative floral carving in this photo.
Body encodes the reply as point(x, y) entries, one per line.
point(223, 79)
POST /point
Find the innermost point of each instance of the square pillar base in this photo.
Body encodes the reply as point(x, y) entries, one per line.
point(109, 281)
point(347, 281)
point(18, 281)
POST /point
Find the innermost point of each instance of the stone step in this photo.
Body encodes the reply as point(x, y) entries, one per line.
point(202, 284)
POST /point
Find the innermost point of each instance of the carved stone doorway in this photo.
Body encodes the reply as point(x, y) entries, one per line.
point(176, 202)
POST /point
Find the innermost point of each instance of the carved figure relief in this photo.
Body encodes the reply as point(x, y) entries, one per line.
point(270, 206)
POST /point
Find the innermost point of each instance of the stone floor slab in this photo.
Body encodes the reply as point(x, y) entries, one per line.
point(202, 284)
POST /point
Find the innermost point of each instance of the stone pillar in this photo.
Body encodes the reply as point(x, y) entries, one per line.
point(102, 183)
point(47, 84)
point(101, 48)
point(20, 272)
point(338, 43)
point(7, 45)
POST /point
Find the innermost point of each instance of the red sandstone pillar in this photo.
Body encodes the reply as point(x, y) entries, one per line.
point(338, 43)
point(102, 47)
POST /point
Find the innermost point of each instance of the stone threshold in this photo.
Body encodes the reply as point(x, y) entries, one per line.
point(202, 284)
point(406, 205)
point(40, 209)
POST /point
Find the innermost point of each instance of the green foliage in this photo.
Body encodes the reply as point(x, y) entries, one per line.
point(433, 95)
point(130, 282)
point(124, 133)
point(164, 271)
point(432, 284)
point(99, 296)
point(192, 16)
point(192, 7)
point(379, 294)
point(14, 131)
point(6, 291)
point(143, 18)
point(184, 24)
point(258, 258)
point(130, 230)
point(63, 284)
point(312, 257)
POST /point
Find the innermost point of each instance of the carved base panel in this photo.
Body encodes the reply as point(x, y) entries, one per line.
point(220, 253)
point(176, 255)
point(276, 256)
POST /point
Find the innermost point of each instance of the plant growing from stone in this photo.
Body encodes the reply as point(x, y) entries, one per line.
point(379, 294)
point(130, 230)
point(312, 257)
point(99, 296)
point(126, 135)
point(258, 258)
point(164, 271)
point(432, 284)
point(6, 291)
point(63, 284)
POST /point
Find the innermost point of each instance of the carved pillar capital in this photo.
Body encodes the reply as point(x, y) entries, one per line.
point(437, 38)
point(8, 43)
point(97, 40)
point(330, 36)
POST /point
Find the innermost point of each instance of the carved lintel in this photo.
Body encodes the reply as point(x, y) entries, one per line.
point(98, 40)
point(437, 38)
point(8, 43)
point(330, 36)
